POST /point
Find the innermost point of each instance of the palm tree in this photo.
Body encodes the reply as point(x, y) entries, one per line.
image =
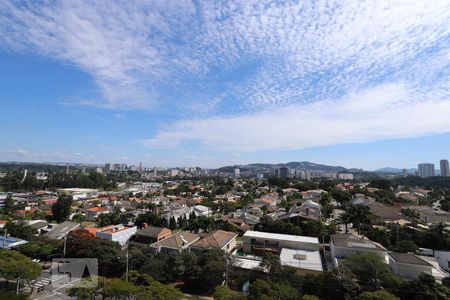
point(360, 214)
point(438, 231)
point(344, 218)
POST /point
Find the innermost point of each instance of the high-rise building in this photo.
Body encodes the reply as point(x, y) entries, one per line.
point(445, 171)
point(426, 170)
point(282, 172)
point(405, 173)
point(108, 168)
point(237, 172)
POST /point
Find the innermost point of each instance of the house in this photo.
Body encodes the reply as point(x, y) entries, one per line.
point(116, 233)
point(176, 211)
point(344, 245)
point(202, 211)
point(150, 234)
point(93, 212)
point(218, 239)
point(175, 243)
point(300, 252)
point(9, 242)
point(429, 215)
point(258, 242)
point(61, 230)
point(410, 266)
point(41, 226)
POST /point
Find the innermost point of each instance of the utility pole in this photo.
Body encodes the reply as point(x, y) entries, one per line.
point(64, 248)
point(126, 256)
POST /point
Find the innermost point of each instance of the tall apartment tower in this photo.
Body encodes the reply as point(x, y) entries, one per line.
point(445, 171)
point(426, 170)
point(237, 172)
point(405, 173)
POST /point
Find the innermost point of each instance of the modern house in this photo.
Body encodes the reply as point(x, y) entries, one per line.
point(219, 239)
point(344, 245)
point(116, 233)
point(410, 266)
point(257, 242)
point(300, 252)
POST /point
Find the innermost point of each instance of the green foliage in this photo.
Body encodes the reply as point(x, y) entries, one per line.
point(62, 208)
point(15, 266)
point(405, 246)
point(382, 184)
point(310, 297)
point(111, 260)
point(370, 270)
point(20, 230)
point(264, 290)
point(223, 292)
point(277, 226)
point(423, 288)
point(38, 249)
point(377, 295)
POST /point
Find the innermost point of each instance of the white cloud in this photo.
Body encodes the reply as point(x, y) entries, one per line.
point(384, 112)
point(53, 156)
point(253, 74)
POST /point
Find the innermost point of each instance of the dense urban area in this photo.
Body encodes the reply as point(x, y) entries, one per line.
point(262, 231)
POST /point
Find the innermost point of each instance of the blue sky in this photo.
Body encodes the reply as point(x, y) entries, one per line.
point(205, 83)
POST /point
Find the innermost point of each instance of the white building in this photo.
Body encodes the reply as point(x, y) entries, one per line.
point(345, 176)
point(344, 245)
point(301, 252)
point(410, 266)
point(237, 173)
point(117, 233)
point(426, 170)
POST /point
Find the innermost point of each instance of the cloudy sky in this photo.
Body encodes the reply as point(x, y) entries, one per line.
point(205, 83)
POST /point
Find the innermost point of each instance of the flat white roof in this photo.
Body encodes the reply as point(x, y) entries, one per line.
point(282, 237)
point(302, 259)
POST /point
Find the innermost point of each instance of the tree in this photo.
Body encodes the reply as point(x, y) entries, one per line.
point(62, 208)
point(377, 295)
point(424, 287)
point(370, 269)
point(405, 246)
point(14, 265)
point(272, 263)
point(223, 292)
point(310, 297)
point(8, 206)
point(438, 232)
point(20, 230)
point(111, 258)
point(360, 214)
point(345, 218)
point(264, 290)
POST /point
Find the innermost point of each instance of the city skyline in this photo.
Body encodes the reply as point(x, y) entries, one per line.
point(357, 84)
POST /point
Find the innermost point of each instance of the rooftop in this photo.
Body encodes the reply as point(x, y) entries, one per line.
point(301, 259)
point(408, 258)
point(351, 241)
point(177, 240)
point(282, 237)
point(217, 239)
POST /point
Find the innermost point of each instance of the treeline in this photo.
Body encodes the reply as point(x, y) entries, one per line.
point(13, 181)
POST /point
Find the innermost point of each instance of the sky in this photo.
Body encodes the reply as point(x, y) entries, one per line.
point(362, 84)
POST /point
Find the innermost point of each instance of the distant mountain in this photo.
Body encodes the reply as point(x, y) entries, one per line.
point(304, 165)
